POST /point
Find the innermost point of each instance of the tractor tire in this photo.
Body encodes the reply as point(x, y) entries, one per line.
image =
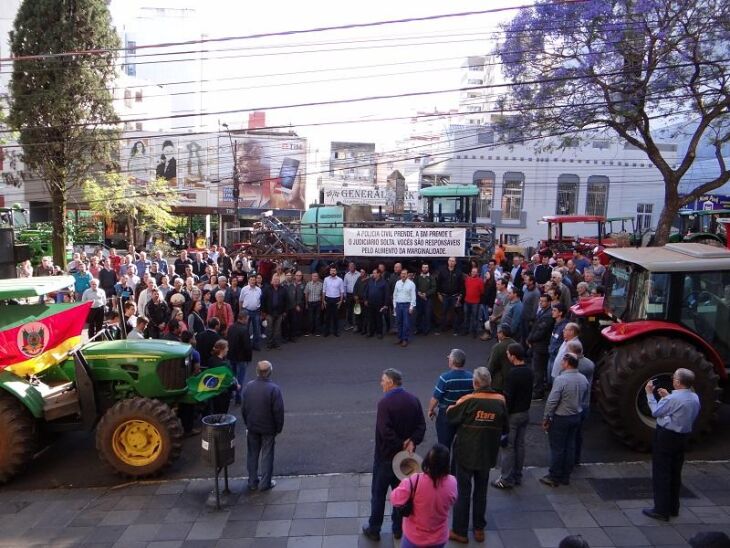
point(18, 437)
point(139, 437)
point(624, 374)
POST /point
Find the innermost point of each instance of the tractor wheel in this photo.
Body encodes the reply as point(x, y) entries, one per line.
point(625, 372)
point(18, 436)
point(139, 437)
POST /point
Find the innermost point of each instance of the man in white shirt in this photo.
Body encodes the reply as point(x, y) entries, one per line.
point(404, 303)
point(351, 277)
point(98, 301)
point(138, 332)
point(250, 301)
point(334, 295)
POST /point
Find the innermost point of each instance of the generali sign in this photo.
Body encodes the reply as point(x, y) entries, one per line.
point(367, 195)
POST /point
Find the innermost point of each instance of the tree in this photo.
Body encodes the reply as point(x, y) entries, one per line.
point(631, 66)
point(61, 103)
point(117, 197)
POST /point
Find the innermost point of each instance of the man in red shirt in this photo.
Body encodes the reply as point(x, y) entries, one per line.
point(473, 291)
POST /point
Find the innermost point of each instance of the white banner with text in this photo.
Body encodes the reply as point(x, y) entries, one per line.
point(405, 242)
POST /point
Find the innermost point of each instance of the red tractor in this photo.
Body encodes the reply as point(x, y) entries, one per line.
point(563, 246)
point(665, 307)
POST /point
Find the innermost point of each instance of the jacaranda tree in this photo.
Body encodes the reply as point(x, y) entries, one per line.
point(628, 66)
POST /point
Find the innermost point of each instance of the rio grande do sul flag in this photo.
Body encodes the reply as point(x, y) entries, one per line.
point(41, 336)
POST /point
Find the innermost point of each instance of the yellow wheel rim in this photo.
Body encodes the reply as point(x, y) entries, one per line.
point(137, 442)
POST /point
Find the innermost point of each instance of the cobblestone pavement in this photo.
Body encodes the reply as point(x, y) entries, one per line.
point(328, 511)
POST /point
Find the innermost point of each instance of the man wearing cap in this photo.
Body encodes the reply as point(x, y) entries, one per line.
point(451, 386)
point(399, 426)
point(481, 420)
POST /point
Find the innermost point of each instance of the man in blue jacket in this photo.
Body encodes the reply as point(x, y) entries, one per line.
point(399, 426)
point(263, 412)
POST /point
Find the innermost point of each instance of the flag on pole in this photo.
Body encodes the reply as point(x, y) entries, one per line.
point(36, 337)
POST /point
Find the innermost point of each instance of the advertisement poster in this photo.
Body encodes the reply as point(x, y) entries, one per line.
point(271, 173)
point(366, 194)
point(405, 242)
point(708, 202)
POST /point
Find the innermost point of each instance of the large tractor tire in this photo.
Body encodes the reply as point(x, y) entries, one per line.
point(18, 436)
point(627, 369)
point(139, 437)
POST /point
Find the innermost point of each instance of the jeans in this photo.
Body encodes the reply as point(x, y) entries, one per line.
point(293, 324)
point(448, 306)
point(254, 326)
point(471, 318)
point(424, 309)
point(579, 435)
point(405, 543)
point(383, 477)
point(239, 369)
point(403, 315)
point(314, 314)
point(350, 310)
point(513, 456)
point(561, 436)
point(260, 445)
point(667, 460)
point(483, 314)
point(273, 337)
point(330, 315)
point(375, 321)
point(539, 369)
point(445, 431)
point(477, 500)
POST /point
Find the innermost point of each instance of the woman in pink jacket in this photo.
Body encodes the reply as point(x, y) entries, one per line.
point(434, 495)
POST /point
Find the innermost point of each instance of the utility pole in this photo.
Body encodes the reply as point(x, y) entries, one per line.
point(236, 187)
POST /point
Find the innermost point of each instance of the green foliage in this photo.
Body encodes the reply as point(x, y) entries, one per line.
point(61, 104)
point(118, 197)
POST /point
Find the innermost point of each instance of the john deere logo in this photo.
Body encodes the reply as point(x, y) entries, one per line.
point(33, 339)
point(211, 382)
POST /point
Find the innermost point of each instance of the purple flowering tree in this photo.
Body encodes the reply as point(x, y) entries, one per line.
point(627, 66)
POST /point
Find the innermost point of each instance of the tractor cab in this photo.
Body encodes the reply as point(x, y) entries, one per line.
point(563, 238)
point(450, 203)
point(703, 226)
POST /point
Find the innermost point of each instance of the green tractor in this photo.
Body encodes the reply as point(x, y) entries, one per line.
point(702, 227)
point(127, 390)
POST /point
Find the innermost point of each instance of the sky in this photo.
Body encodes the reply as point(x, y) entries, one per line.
point(391, 59)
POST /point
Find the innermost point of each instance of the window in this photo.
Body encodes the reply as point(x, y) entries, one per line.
point(485, 138)
point(643, 216)
point(567, 195)
point(138, 96)
point(511, 239)
point(706, 308)
point(127, 98)
point(475, 82)
point(138, 126)
point(601, 144)
point(597, 195)
point(512, 188)
point(131, 48)
point(434, 180)
point(132, 70)
point(484, 180)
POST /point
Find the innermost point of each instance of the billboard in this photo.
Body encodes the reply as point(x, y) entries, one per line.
point(708, 202)
point(271, 172)
point(271, 168)
point(369, 195)
point(405, 242)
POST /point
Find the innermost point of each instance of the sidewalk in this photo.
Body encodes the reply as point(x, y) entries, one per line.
point(328, 511)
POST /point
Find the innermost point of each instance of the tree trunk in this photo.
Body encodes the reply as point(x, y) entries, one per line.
point(664, 226)
point(58, 222)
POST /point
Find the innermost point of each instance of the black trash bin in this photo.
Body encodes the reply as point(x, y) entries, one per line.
point(218, 436)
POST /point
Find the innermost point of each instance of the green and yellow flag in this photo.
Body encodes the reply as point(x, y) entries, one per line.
point(209, 383)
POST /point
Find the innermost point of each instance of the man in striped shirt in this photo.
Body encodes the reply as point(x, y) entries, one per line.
point(451, 386)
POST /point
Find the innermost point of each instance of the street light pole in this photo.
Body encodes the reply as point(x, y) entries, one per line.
point(236, 187)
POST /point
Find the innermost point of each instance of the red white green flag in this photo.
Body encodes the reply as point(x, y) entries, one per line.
point(36, 337)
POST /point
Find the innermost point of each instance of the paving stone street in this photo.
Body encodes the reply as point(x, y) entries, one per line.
point(328, 511)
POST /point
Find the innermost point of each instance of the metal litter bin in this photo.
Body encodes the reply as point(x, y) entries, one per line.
point(218, 440)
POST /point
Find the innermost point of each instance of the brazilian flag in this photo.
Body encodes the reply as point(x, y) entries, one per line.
point(209, 383)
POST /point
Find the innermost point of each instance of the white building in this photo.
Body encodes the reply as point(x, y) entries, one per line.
point(520, 184)
point(477, 70)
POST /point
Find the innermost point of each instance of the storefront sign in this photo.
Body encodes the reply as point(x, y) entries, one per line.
point(367, 195)
point(405, 242)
